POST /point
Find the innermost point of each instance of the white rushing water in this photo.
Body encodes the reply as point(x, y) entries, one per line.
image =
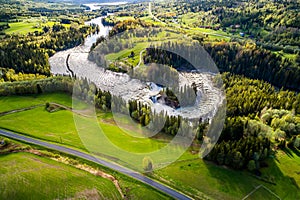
point(208, 96)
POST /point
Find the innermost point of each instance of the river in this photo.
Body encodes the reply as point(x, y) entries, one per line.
point(208, 99)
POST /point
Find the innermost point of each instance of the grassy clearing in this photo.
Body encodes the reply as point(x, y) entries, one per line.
point(212, 34)
point(123, 55)
point(139, 45)
point(190, 18)
point(27, 25)
point(131, 188)
point(22, 27)
point(17, 102)
point(285, 170)
point(27, 176)
point(39, 123)
point(59, 127)
point(198, 176)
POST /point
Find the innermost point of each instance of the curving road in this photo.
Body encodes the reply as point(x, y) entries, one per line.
point(171, 192)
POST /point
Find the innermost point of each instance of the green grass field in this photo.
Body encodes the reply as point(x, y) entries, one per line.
point(139, 45)
point(22, 28)
point(39, 123)
point(198, 177)
point(27, 176)
point(41, 175)
point(123, 55)
point(17, 102)
point(150, 20)
point(59, 127)
point(25, 25)
point(189, 173)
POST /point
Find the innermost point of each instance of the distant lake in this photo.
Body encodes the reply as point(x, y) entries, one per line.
point(97, 6)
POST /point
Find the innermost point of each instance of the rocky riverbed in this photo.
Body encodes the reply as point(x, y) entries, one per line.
point(209, 97)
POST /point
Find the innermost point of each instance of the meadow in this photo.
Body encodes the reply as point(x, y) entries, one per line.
point(83, 133)
point(29, 25)
point(27, 176)
point(123, 55)
point(139, 44)
point(18, 102)
point(189, 173)
point(218, 182)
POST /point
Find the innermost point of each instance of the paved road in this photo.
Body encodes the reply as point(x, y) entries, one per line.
point(173, 193)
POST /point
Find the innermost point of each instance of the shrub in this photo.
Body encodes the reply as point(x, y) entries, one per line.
point(147, 164)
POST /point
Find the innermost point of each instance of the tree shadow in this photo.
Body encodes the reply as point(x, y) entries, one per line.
point(288, 152)
point(241, 183)
point(296, 151)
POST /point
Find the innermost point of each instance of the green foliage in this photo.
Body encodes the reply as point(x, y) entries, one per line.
point(284, 122)
point(140, 112)
point(273, 24)
point(114, 68)
point(252, 97)
point(239, 153)
point(256, 63)
point(251, 165)
point(53, 84)
point(147, 164)
point(297, 142)
point(10, 75)
point(248, 97)
point(128, 25)
point(23, 56)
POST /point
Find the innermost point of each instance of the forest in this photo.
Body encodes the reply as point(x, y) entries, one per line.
point(248, 60)
point(30, 54)
point(270, 23)
point(248, 136)
point(259, 118)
